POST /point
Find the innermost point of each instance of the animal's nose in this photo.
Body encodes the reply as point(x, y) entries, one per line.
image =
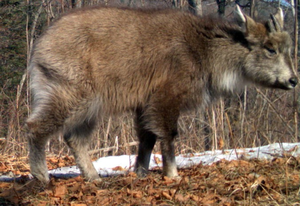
point(293, 81)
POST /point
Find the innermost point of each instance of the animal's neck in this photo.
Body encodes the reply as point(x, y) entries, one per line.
point(227, 67)
point(231, 81)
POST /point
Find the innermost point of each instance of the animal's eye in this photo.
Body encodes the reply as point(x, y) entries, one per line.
point(271, 51)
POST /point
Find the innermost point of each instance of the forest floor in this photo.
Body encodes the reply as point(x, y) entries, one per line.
point(239, 182)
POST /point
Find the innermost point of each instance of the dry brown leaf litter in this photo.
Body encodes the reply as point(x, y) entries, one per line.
point(241, 182)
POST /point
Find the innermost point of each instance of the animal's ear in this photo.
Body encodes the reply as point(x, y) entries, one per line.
point(244, 20)
point(275, 23)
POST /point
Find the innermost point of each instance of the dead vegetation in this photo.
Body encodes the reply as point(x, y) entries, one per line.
point(254, 182)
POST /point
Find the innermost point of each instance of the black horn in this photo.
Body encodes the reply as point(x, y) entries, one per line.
point(276, 23)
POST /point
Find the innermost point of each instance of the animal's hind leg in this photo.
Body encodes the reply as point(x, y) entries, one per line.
point(37, 156)
point(147, 141)
point(41, 125)
point(77, 139)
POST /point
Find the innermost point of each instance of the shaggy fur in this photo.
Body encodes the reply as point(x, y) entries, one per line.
point(156, 63)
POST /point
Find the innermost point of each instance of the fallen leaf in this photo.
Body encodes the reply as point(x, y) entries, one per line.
point(59, 191)
point(196, 198)
point(118, 168)
point(157, 160)
point(179, 197)
point(166, 195)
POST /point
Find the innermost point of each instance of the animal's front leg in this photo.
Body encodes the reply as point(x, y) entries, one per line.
point(168, 156)
point(147, 141)
point(161, 117)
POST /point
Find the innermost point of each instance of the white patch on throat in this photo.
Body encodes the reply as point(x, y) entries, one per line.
point(231, 81)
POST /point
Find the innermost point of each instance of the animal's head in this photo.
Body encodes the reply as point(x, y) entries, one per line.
point(269, 61)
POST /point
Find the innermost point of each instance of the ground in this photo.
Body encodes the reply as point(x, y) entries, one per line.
point(241, 182)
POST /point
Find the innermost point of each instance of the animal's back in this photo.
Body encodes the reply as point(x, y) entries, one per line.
point(121, 54)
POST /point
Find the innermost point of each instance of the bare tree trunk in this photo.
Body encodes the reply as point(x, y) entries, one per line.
point(195, 7)
point(73, 3)
point(175, 3)
point(252, 8)
point(207, 129)
point(221, 7)
point(296, 50)
point(29, 39)
point(297, 26)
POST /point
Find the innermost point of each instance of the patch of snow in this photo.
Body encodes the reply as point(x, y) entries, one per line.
point(105, 165)
point(116, 165)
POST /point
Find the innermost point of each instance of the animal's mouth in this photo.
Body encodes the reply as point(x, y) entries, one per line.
point(288, 85)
